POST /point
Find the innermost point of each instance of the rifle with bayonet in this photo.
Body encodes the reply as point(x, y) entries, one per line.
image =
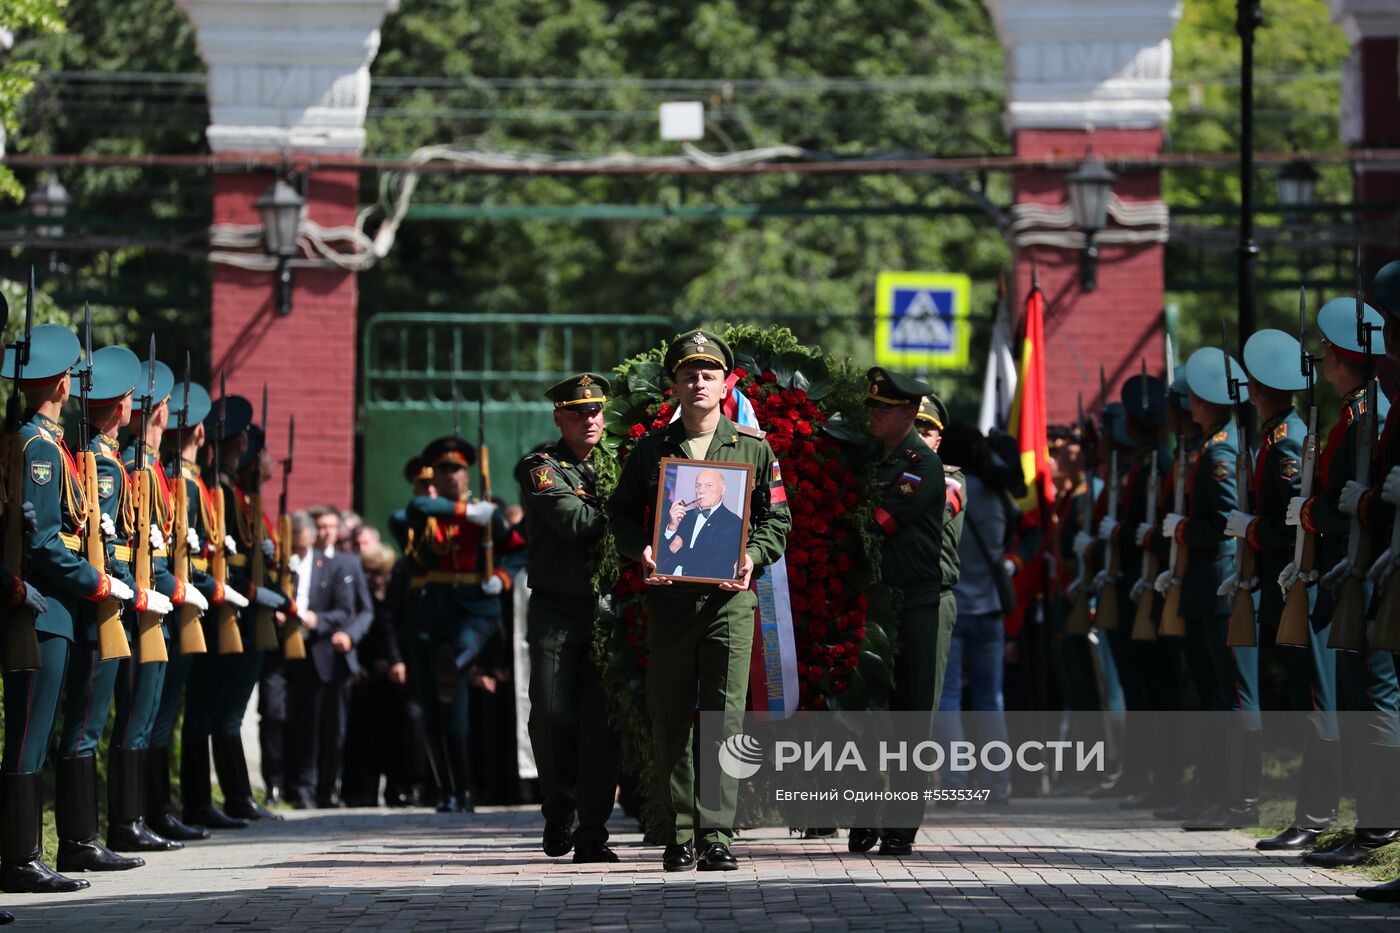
point(293, 645)
point(1293, 626)
point(1106, 615)
point(1078, 621)
point(1172, 623)
point(230, 639)
point(1349, 614)
point(148, 628)
point(488, 539)
point(21, 638)
point(264, 628)
point(191, 631)
point(1242, 632)
point(111, 634)
point(1143, 627)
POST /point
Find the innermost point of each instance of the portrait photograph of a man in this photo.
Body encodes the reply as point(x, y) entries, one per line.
point(702, 519)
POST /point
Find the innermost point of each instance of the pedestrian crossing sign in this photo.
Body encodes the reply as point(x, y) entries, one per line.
point(921, 320)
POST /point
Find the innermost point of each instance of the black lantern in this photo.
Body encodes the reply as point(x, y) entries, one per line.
point(1297, 181)
point(282, 208)
point(1090, 186)
point(50, 199)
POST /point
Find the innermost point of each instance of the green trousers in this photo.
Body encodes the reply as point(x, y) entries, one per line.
point(576, 748)
point(698, 647)
point(925, 632)
point(87, 698)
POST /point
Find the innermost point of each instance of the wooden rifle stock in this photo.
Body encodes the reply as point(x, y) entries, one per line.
point(1293, 624)
point(1242, 632)
point(111, 634)
point(488, 539)
point(191, 632)
point(1144, 628)
point(21, 639)
point(1349, 614)
point(293, 645)
point(1106, 614)
point(264, 628)
point(148, 631)
point(1172, 623)
point(230, 640)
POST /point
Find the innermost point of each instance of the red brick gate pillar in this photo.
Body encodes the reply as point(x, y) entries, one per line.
point(1088, 75)
point(289, 77)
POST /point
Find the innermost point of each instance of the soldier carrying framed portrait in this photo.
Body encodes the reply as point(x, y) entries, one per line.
point(702, 524)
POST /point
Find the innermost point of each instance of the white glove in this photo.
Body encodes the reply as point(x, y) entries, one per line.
point(235, 598)
point(1237, 525)
point(196, 599)
point(121, 591)
point(479, 513)
point(109, 527)
point(229, 546)
point(1292, 516)
point(1390, 490)
point(492, 585)
point(1228, 586)
point(1144, 531)
point(1288, 577)
point(1163, 582)
point(1106, 528)
point(1082, 543)
point(157, 539)
point(1350, 499)
point(1138, 589)
point(1008, 567)
point(157, 603)
point(192, 538)
point(1381, 568)
point(1333, 578)
point(1100, 579)
point(1169, 524)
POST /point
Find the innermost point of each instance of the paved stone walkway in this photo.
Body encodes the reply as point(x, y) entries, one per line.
point(1058, 864)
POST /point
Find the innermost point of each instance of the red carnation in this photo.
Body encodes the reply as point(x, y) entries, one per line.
point(636, 431)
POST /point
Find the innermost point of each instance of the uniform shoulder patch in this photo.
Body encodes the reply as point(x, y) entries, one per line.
point(1288, 468)
point(750, 432)
point(543, 477)
point(1220, 438)
point(1281, 431)
point(41, 471)
point(1221, 470)
point(106, 485)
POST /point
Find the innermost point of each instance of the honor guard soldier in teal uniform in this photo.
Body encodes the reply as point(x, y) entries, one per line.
point(910, 523)
point(1279, 367)
point(931, 421)
point(458, 607)
point(698, 631)
point(1366, 679)
point(576, 749)
point(65, 579)
point(157, 808)
point(419, 476)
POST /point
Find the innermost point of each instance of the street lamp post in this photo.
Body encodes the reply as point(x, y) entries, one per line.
point(49, 200)
point(282, 208)
point(1089, 188)
point(1248, 18)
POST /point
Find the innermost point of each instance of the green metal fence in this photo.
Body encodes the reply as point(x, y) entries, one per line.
point(500, 365)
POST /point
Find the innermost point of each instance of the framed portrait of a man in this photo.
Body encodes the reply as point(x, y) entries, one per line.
point(702, 520)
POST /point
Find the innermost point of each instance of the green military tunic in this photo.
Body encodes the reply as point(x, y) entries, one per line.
point(576, 749)
point(696, 631)
point(955, 505)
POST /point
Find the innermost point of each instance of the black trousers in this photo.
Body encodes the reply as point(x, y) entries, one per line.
point(272, 719)
point(384, 738)
point(316, 731)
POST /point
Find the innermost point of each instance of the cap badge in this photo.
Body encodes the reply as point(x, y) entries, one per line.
point(700, 340)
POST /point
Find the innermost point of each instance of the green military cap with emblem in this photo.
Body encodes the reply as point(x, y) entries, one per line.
point(165, 381)
point(115, 371)
point(888, 387)
point(236, 413)
point(933, 411)
point(1145, 398)
point(1205, 376)
point(450, 450)
point(199, 405)
point(697, 345)
point(1337, 321)
point(1274, 360)
point(53, 349)
point(1386, 288)
point(585, 392)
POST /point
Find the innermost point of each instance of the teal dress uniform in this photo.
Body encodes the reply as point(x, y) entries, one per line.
point(576, 748)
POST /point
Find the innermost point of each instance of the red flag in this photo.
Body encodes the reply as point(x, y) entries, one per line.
point(1028, 421)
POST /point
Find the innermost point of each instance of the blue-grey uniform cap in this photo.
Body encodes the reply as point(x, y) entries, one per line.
point(1156, 392)
point(1386, 288)
point(1274, 360)
point(115, 371)
point(1116, 418)
point(165, 381)
point(199, 404)
point(1178, 389)
point(1337, 321)
point(53, 349)
point(1205, 376)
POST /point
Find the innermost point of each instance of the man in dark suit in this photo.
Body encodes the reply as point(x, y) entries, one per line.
point(703, 537)
point(335, 611)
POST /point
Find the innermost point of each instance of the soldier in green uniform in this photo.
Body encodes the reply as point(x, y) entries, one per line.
point(65, 579)
point(1273, 359)
point(909, 521)
point(931, 421)
point(1366, 679)
point(576, 749)
point(698, 632)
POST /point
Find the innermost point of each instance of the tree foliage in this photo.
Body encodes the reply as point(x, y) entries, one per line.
point(20, 17)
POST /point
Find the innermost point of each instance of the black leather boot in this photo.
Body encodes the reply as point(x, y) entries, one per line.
point(238, 786)
point(160, 811)
point(22, 869)
point(1355, 851)
point(126, 824)
point(76, 815)
point(1319, 787)
point(196, 791)
point(459, 766)
point(1242, 775)
point(1387, 893)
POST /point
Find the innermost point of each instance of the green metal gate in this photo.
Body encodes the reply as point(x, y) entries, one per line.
point(410, 363)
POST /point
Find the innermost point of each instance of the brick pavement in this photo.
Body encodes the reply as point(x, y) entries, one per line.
point(1056, 864)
